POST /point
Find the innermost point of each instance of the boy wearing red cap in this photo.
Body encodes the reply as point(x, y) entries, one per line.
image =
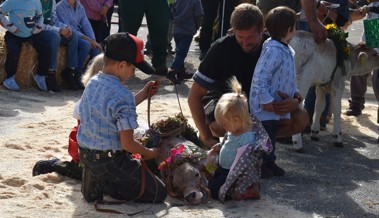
point(108, 119)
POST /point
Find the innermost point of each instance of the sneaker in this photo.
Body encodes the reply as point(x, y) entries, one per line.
point(11, 84)
point(161, 70)
point(266, 173)
point(353, 112)
point(40, 81)
point(68, 76)
point(184, 75)
point(44, 166)
point(51, 82)
point(275, 169)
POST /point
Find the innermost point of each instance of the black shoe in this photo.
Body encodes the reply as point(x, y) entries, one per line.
point(78, 80)
point(51, 82)
point(266, 173)
point(69, 76)
point(161, 70)
point(275, 169)
point(353, 112)
point(44, 166)
point(171, 75)
point(184, 75)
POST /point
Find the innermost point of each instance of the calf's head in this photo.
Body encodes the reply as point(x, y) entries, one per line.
point(189, 182)
point(363, 60)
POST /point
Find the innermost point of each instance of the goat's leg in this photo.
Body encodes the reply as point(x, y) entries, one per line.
point(337, 96)
point(319, 108)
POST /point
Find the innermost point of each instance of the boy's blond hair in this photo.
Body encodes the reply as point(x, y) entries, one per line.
point(96, 64)
point(234, 104)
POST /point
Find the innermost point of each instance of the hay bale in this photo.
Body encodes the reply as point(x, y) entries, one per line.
point(28, 63)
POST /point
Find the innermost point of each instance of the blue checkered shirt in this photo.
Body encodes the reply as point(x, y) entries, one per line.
point(107, 108)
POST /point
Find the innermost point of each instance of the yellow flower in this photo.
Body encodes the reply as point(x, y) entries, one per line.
point(330, 26)
point(338, 36)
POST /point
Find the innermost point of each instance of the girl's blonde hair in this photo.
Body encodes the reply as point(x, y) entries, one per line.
point(234, 104)
point(96, 64)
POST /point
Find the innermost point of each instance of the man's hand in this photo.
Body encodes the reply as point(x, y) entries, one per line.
point(286, 105)
point(210, 142)
point(298, 96)
point(65, 32)
point(269, 107)
point(95, 44)
point(104, 10)
point(319, 32)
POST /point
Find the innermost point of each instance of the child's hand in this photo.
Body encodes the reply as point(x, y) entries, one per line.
point(216, 148)
point(151, 88)
point(269, 107)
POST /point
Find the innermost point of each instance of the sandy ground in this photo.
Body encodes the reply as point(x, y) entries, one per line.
point(323, 182)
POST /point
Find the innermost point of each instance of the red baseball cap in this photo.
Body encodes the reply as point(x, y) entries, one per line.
point(127, 47)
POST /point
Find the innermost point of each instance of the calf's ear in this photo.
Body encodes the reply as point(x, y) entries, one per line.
point(362, 57)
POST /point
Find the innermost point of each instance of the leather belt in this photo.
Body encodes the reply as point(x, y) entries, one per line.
point(99, 154)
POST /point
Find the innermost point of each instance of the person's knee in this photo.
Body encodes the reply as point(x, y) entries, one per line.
point(217, 130)
point(301, 118)
point(85, 45)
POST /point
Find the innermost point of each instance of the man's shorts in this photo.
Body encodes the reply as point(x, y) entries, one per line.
point(209, 109)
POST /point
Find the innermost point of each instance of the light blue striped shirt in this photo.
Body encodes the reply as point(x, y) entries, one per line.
point(107, 107)
point(275, 71)
point(75, 18)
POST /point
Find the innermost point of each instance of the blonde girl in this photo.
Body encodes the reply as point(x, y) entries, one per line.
point(232, 113)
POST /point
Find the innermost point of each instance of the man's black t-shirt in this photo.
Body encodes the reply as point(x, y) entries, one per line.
point(226, 59)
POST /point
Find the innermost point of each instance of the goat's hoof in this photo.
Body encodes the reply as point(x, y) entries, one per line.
point(338, 144)
point(314, 138)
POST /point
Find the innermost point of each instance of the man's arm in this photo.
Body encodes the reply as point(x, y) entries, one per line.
point(195, 96)
point(287, 105)
point(317, 28)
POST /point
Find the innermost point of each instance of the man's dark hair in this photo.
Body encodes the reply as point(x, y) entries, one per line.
point(245, 16)
point(278, 21)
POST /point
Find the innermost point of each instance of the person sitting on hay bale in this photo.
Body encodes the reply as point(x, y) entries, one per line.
point(72, 13)
point(55, 33)
point(24, 24)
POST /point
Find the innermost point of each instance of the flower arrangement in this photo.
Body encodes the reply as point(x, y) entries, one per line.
point(338, 36)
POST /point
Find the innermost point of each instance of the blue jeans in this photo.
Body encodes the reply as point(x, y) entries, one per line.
point(14, 46)
point(310, 100)
point(85, 49)
point(182, 44)
point(54, 40)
